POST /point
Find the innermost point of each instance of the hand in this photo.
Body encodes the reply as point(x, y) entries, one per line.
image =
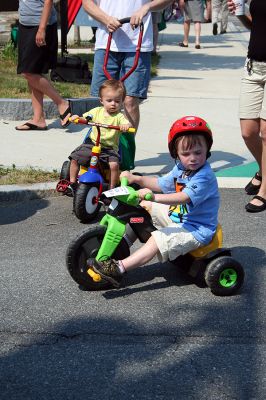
point(125, 127)
point(231, 6)
point(138, 16)
point(142, 193)
point(130, 177)
point(113, 24)
point(73, 117)
point(40, 38)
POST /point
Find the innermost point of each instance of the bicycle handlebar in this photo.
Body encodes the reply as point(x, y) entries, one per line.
point(84, 121)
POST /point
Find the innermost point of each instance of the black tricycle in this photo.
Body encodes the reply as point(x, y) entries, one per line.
point(124, 222)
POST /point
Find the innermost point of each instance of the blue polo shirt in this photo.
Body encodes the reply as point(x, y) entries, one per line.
point(200, 215)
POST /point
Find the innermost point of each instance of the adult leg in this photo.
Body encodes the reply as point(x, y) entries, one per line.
point(186, 31)
point(250, 129)
point(131, 107)
point(41, 84)
point(197, 26)
point(208, 14)
point(224, 16)
point(262, 191)
point(215, 14)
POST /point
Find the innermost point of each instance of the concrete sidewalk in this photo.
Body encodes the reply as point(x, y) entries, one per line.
point(201, 82)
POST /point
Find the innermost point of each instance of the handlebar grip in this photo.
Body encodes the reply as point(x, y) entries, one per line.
point(124, 20)
point(131, 130)
point(148, 196)
point(124, 181)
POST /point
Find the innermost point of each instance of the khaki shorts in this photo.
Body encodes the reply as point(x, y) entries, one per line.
point(172, 240)
point(252, 103)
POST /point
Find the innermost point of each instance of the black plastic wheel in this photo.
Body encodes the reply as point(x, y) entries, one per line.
point(168, 13)
point(224, 276)
point(64, 174)
point(85, 206)
point(84, 246)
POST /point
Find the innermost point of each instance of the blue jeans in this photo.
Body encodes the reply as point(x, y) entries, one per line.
point(118, 64)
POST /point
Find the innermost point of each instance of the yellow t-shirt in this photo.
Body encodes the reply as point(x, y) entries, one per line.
point(109, 137)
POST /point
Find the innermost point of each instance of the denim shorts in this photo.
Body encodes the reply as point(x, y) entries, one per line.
point(118, 65)
point(252, 103)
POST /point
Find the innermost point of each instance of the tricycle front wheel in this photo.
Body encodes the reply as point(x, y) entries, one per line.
point(86, 245)
point(86, 205)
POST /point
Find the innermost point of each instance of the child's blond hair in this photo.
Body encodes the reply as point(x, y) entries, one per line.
point(115, 85)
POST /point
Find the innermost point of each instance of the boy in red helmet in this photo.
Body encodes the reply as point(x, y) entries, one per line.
point(184, 206)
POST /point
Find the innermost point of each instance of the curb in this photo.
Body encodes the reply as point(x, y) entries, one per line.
point(20, 109)
point(20, 193)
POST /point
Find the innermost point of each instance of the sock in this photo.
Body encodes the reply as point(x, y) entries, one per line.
point(121, 267)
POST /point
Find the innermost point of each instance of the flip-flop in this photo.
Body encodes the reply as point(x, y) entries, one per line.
point(65, 114)
point(31, 127)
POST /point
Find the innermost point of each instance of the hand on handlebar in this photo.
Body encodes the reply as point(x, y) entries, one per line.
point(113, 24)
point(125, 127)
point(129, 176)
point(138, 16)
point(146, 194)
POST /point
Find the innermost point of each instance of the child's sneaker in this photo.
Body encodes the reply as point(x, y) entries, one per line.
point(108, 269)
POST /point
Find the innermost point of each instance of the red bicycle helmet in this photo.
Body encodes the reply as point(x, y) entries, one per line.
point(189, 125)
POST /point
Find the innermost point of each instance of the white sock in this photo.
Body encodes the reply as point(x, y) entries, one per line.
point(121, 267)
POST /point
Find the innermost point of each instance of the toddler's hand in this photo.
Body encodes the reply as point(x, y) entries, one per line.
point(142, 193)
point(125, 127)
point(130, 177)
point(73, 117)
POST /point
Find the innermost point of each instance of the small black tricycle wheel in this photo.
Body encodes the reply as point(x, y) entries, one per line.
point(64, 174)
point(86, 245)
point(224, 276)
point(86, 205)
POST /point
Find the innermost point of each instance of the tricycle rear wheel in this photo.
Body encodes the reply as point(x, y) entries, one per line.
point(224, 276)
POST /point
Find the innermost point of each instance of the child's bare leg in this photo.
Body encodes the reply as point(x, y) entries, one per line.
point(74, 170)
point(141, 256)
point(114, 174)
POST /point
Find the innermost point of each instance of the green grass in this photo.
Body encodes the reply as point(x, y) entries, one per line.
point(15, 86)
point(13, 175)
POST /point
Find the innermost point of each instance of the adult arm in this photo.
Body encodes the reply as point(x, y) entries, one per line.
point(40, 36)
point(113, 23)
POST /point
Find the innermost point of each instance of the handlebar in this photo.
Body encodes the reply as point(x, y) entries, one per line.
point(124, 182)
point(84, 121)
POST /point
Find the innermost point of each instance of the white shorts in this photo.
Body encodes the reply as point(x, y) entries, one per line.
point(252, 103)
point(172, 240)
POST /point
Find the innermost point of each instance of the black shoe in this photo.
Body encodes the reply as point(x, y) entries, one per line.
point(251, 188)
point(108, 269)
point(215, 28)
point(223, 31)
point(252, 208)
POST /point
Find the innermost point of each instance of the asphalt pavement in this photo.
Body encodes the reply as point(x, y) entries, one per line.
point(160, 336)
point(201, 82)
